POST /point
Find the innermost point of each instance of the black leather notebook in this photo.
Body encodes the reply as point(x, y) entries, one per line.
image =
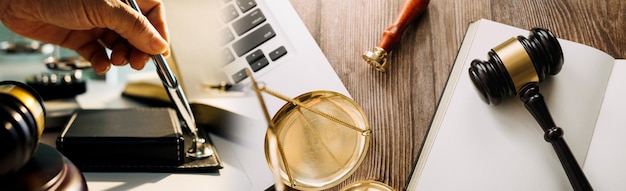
point(141, 139)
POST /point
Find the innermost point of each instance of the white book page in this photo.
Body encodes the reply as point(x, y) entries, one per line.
point(605, 166)
point(477, 146)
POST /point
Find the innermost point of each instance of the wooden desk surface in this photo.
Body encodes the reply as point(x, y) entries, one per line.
point(401, 102)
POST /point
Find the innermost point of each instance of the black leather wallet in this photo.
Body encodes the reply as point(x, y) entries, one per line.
point(140, 139)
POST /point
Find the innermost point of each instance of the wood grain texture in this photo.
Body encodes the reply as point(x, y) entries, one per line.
point(401, 102)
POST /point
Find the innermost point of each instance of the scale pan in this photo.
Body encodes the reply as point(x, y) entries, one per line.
point(368, 185)
point(319, 151)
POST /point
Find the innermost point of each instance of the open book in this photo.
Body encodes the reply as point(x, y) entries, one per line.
point(475, 146)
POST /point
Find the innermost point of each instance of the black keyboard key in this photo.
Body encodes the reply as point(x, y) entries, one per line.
point(254, 56)
point(259, 64)
point(245, 5)
point(279, 52)
point(237, 77)
point(253, 40)
point(229, 13)
point(248, 22)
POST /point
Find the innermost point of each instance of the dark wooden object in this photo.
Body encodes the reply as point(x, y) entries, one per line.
point(535, 104)
point(47, 169)
point(493, 80)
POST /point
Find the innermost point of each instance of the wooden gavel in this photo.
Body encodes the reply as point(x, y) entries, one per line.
point(392, 35)
point(516, 67)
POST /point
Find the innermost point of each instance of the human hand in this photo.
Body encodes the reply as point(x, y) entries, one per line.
point(88, 26)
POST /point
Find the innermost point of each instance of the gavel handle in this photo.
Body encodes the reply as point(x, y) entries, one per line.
point(535, 104)
point(409, 11)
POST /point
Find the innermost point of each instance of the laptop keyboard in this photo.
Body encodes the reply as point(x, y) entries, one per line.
point(245, 30)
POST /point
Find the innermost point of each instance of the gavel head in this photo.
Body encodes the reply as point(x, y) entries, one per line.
point(515, 63)
point(22, 117)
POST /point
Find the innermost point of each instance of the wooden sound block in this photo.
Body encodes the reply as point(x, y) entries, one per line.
point(46, 170)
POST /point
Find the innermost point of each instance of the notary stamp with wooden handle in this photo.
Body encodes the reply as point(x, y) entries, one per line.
point(391, 36)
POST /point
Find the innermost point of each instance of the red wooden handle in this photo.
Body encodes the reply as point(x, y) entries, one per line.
point(409, 11)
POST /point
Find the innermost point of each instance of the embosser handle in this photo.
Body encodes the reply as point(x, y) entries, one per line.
point(409, 11)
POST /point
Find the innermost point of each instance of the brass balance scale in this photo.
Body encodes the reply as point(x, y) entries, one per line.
point(316, 140)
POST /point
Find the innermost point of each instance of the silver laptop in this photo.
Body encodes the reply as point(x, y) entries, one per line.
point(212, 42)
